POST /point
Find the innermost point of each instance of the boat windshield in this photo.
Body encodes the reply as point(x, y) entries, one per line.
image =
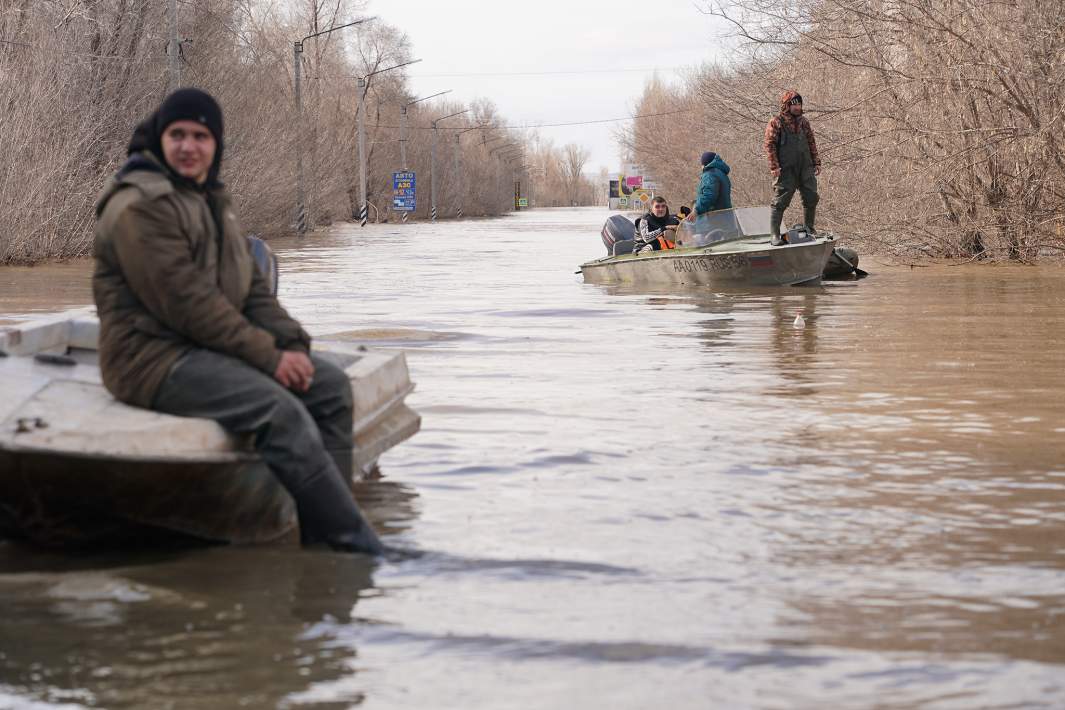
point(724, 226)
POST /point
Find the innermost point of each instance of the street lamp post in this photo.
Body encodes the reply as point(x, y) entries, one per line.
point(531, 171)
point(363, 85)
point(403, 135)
point(432, 165)
point(512, 156)
point(297, 50)
point(459, 182)
point(403, 129)
point(498, 148)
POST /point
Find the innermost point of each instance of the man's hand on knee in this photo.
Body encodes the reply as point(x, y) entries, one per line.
point(295, 370)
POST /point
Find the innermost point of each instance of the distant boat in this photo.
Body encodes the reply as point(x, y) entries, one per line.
point(77, 466)
point(724, 248)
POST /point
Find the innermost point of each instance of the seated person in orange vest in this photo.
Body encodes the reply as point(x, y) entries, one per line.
point(657, 230)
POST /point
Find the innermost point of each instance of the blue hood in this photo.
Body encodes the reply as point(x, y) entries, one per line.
point(717, 164)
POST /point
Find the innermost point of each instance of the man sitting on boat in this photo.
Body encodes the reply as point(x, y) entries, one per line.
point(657, 229)
point(715, 187)
point(189, 326)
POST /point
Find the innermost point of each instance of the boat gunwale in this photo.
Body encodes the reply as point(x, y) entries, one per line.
point(704, 251)
point(220, 457)
point(69, 330)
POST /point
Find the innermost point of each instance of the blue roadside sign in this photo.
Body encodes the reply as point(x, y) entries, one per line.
point(403, 191)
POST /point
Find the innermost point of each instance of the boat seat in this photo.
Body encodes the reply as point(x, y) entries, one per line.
point(623, 246)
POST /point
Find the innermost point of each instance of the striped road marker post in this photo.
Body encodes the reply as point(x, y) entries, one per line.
point(301, 220)
point(362, 216)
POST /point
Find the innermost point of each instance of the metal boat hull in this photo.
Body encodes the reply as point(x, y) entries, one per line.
point(77, 467)
point(741, 263)
point(64, 500)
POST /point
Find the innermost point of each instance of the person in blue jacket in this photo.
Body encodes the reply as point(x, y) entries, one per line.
point(715, 188)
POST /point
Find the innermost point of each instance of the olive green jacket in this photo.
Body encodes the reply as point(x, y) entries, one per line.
point(164, 284)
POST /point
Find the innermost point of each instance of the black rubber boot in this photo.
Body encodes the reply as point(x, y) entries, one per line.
point(775, 218)
point(328, 514)
point(809, 214)
point(345, 462)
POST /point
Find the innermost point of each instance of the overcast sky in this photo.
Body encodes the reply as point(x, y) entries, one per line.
point(492, 49)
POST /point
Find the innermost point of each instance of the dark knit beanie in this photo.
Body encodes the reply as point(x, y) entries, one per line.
point(708, 157)
point(182, 105)
point(191, 105)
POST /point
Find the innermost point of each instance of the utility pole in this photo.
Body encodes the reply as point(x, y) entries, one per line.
point(503, 148)
point(362, 150)
point(511, 157)
point(297, 50)
point(432, 165)
point(301, 215)
point(458, 177)
point(403, 127)
point(403, 135)
point(361, 122)
point(533, 171)
point(173, 48)
point(459, 182)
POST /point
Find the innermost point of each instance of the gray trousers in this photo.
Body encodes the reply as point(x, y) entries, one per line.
point(304, 437)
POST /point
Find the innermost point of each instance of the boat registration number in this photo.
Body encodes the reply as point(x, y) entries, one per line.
point(688, 266)
point(723, 262)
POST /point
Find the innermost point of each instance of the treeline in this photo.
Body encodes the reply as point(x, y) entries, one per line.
point(558, 178)
point(941, 124)
point(75, 78)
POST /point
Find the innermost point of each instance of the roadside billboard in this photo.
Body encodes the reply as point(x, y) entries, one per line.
point(630, 190)
point(404, 195)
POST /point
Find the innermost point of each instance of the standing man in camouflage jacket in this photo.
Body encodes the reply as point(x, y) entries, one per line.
point(793, 161)
point(189, 326)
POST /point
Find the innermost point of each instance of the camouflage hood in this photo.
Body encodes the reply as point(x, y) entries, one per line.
point(786, 98)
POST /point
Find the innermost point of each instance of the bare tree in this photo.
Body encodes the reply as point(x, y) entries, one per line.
point(939, 123)
point(573, 159)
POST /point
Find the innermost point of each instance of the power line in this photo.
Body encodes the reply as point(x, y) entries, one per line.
point(550, 73)
point(548, 125)
point(451, 128)
point(524, 73)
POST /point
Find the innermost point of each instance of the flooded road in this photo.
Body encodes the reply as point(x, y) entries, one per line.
point(623, 499)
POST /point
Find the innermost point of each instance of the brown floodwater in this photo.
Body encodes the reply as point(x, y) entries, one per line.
point(622, 498)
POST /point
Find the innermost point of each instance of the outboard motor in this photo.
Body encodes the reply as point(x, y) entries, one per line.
point(265, 260)
point(842, 263)
point(617, 228)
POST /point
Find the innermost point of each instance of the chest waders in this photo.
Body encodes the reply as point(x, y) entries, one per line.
point(796, 173)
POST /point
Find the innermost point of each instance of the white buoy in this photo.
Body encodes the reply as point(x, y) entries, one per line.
point(800, 322)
